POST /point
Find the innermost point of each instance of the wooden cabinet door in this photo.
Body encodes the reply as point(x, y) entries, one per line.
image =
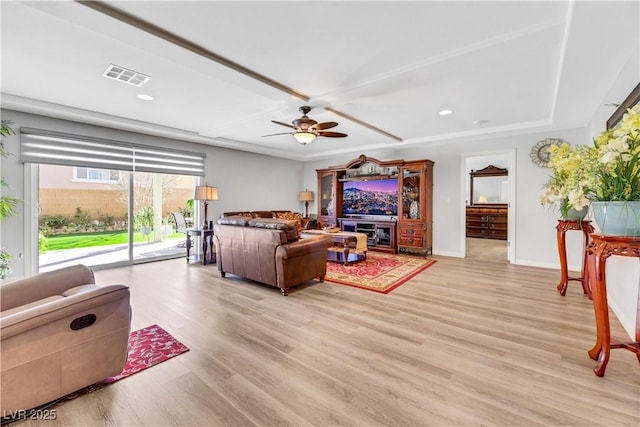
point(327, 198)
point(415, 213)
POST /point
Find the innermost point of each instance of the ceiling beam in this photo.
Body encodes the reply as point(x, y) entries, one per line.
point(154, 30)
point(188, 45)
point(365, 124)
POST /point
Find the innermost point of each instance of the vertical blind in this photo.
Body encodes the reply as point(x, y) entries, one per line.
point(56, 148)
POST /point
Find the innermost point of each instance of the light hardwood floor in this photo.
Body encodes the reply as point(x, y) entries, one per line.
point(464, 343)
point(487, 249)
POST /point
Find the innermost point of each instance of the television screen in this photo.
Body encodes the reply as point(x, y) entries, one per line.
point(374, 197)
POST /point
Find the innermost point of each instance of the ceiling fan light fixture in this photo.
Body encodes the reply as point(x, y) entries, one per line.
point(304, 137)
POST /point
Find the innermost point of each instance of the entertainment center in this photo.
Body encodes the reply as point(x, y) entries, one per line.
point(391, 201)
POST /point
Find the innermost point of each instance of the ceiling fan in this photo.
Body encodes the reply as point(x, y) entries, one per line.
point(306, 129)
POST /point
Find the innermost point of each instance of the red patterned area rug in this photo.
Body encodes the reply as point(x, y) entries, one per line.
point(379, 272)
point(148, 347)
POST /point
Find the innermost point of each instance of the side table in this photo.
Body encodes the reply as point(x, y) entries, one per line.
point(207, 242)
point(599, 250)
point(563, 226)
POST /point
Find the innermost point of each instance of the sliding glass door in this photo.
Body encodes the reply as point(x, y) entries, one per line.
point(156, 196)
point(84, 216)
point(107, 202)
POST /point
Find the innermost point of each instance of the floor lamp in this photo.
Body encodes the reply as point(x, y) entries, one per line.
point(306, 197)
point(205, 193)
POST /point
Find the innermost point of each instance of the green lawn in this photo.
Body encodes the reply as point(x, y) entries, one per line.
point(86, 240)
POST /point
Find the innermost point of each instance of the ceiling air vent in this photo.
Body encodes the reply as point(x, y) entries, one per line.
point(125, 75)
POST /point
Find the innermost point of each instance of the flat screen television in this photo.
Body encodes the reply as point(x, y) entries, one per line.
point(373, 197)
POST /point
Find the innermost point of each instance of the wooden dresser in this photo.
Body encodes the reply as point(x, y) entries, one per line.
point(487, 222)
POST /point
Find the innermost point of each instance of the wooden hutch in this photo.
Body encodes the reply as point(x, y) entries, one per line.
point(408, 230)
point(487, 211)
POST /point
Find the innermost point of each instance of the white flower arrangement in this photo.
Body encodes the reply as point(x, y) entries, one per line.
point(608, 171)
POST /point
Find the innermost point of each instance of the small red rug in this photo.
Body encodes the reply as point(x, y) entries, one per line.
point(379, 272)
point(148, 347)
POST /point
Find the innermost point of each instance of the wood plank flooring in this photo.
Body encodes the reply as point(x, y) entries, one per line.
point(464, 343)
point(487, 249)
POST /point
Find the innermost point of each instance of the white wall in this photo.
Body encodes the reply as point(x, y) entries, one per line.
point(623, 274)
point(248, 181)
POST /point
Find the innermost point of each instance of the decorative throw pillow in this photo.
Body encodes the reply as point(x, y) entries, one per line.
point(289, 227)
point(234, 220)
point(292, 216)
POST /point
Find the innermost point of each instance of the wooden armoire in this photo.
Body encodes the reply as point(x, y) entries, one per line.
point(407, 227)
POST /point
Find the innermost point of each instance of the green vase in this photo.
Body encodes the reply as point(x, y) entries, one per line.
point(617, 218)
point(576, 215)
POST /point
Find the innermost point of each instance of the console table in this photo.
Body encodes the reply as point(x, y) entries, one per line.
point(207, 243)
point(562, 228)
point(598, 251)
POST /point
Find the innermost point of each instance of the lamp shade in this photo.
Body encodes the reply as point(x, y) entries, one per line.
point(306, 196)
point(304, 137)
point(205, 192)
point(483, 199)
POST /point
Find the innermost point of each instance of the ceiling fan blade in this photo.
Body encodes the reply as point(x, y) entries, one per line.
point(325, 125)
point(332, 134)
point(283, 133)
point(283, 124)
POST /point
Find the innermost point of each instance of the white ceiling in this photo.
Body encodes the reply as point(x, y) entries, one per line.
point(519, 66)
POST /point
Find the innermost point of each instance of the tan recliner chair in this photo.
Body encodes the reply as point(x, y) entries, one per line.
point(59, 332)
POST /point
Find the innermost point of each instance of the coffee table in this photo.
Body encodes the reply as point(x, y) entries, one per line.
point(345, 246)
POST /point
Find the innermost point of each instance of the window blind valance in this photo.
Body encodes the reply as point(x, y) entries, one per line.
point(41, 146)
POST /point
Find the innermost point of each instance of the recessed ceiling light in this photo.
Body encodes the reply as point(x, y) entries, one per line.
point(145, 97)
point(480, 122)
point(446, 112)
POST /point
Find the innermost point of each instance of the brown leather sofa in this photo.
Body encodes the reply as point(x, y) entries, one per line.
point(303, 223)
point(256, 214)
point(59, 332)
point(269, 251)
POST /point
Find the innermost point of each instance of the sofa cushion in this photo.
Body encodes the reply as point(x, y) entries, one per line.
point(289, 227)
point(291, 216)
point(234, 220)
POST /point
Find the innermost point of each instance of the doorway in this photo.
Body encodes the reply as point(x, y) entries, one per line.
point(492, 245)
point(486, 249)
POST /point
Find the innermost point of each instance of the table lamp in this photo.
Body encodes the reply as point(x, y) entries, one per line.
point(205, 193)
point(306, 197)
